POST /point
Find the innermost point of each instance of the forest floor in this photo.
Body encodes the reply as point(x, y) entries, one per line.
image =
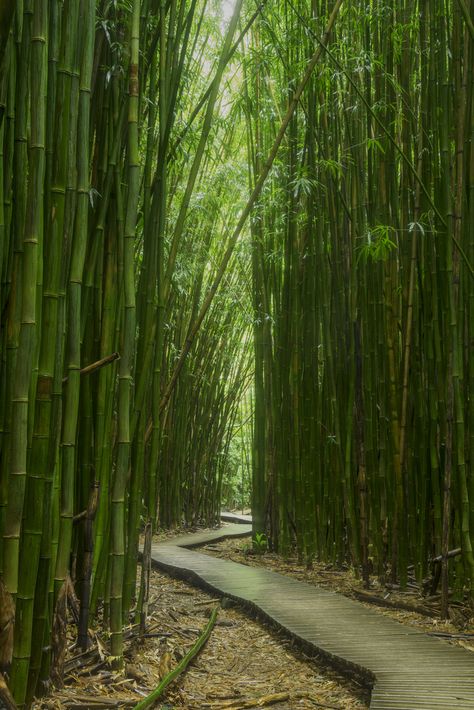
point(243, 665)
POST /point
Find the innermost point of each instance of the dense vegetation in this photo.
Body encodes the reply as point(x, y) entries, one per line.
point(150, 330)
point(363, 282)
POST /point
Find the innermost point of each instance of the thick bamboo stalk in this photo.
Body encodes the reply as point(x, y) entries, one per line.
point(126, 365)
point(32, 245)
point(78, 256)
point(31, 266)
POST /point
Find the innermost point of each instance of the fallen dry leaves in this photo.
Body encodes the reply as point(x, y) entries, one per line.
point(242, 666)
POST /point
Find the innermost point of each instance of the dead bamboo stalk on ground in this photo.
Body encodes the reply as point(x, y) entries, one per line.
point(182, 665)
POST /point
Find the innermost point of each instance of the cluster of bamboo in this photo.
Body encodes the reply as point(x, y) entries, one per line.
point(107, 250)
point(123, 364)
point(363, 257)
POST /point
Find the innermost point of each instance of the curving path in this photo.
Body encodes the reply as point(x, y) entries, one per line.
point(406, 669)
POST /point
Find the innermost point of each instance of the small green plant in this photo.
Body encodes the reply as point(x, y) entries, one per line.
point(260, 543)
point(258, 547)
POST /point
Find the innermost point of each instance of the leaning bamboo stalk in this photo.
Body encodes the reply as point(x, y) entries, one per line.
point(205, 97)
point(200, 150)
point(194, 327)
point(467, 18)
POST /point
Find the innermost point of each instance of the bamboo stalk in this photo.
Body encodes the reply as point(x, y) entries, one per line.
point(126, 365)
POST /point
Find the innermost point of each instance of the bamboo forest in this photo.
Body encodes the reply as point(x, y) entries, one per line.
point(237, 274)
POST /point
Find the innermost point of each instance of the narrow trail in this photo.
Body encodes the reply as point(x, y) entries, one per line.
point(406, 669)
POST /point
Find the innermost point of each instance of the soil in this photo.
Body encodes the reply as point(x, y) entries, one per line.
point(243, 665)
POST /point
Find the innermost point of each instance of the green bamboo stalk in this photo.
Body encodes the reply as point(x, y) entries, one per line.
point(32, 244)
point(32, 252)
point(126, 366)
point(78, 255)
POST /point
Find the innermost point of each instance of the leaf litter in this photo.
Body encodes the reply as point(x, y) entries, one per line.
point(243, 665)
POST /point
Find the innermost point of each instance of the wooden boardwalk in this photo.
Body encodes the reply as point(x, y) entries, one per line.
point(406, 669)
point(236, 517)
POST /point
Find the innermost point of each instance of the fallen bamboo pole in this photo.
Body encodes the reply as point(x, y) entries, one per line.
point(182, 665)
